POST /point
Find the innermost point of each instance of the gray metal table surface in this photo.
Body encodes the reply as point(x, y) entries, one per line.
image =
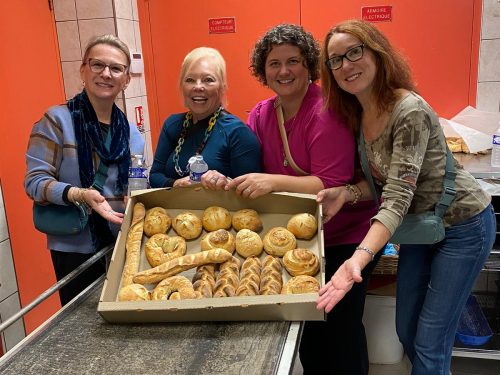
point(478, 165)
point(78, 341)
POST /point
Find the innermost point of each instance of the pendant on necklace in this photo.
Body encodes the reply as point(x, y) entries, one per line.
point(285, 162)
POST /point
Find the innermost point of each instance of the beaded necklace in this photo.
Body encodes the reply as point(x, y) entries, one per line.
point(182, 137)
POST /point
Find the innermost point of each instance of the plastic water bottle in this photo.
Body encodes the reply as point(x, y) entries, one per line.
point(137, 179)
point(495, 149)
point(197, 167)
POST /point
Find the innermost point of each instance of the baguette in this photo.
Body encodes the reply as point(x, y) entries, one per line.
point(178, 265)
point(133, 245)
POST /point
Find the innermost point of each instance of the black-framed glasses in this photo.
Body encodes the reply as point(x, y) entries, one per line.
point(115, 69)
point(353, 54)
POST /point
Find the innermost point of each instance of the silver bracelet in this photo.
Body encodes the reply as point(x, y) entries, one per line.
point(364, 248)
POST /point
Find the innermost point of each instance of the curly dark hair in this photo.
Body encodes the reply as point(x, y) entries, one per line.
point(294, 35)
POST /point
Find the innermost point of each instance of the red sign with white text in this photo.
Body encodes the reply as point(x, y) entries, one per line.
point(222, 25)
point(382, 13)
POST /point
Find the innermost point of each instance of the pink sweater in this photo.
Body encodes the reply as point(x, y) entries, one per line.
point(321, 145)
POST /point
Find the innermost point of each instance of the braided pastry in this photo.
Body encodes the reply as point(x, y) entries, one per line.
point(301, 262)
point(301, 284)
point(156, 221)
point(187, 225)
point(175, 287)
point(204, 280)
point(248, 243)
point(247, 219)
point(271, 279)
point(227, 279)
point(303, 226)
point(161, 248)
point(220, 238)
point(215, 217)
point(249, 277)
point(278, 241)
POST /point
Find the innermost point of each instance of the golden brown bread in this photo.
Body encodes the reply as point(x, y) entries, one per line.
point(161, 248)
point(247, 219)
point(249, 277)
point(227, 279)
point(178, 265)
point(204, 280)
point(134, 292)
point(303, 226)
point(133, 244)
point(187, 225)
point(219, 239)
point(248, 243)
point(301, 262)
point(156, 221)
point(271, 279)
point(174, 287)
point(301, 284)
point(278, 241)
point(215, 217)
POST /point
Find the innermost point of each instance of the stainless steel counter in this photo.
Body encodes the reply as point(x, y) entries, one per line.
point(78, 341)
point(478, 165)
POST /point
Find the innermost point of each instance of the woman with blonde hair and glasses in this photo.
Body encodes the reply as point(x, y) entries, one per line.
point(65, 151)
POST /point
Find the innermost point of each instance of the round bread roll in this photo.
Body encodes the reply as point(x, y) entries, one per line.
point(278, 241)
point(301, 262)
point(187, 225)
point(134, 292)
point(219, 239)
point(156, 221)
point(248, 243)
point(161, 248)
point(303, 226)
point(167, 288)
point(300, 285)
point(247, 219)
point(215, 217)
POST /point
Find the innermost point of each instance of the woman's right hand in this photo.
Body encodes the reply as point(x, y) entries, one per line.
point(332, 200)
point(214, 180)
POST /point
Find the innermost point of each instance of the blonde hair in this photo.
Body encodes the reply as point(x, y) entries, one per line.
point(109, 40)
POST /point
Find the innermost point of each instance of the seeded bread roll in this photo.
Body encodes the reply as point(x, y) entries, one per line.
point(134, 292)
point(301, 262)
point(249, 277)
point(161, 248)
point(174, 287)
point(187, 225)
point(133, 244)
point(156, 221)
point(220, 239)
point(300, 285)
point(248, 243)
point(247, 219)
point(215, 217)
point(278, 241)
point(303, 226)
point(271, 279)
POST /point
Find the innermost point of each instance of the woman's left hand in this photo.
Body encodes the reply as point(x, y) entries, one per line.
point(252, 185)
point(214, 180)
point(341, 283)
point(184, 181)
point(100, 205)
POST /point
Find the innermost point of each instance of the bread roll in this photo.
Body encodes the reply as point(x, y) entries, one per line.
point(204, 280)
point(187, 225)
point(161, 248)
point(220, 239)
point(248, 243)
point(278, 241)
point(247, 219)
point(178, 265)
point(215, 217)
point(303, 226)
point(133, 244)
point(301, 262)
point(174, 287)
point(271, 279)
point(249, 277)
point(300, 285)
point(228, 278)
point(134, 292)
point(156, 221)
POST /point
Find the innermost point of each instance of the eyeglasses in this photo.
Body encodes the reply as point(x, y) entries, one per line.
point(98, 66)
point(353, 54)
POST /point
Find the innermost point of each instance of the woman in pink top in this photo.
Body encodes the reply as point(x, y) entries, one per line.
point(286, 60)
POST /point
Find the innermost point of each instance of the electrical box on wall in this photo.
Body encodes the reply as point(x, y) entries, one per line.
point(137, 64)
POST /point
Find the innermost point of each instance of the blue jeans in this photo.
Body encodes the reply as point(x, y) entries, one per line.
point(433, 284)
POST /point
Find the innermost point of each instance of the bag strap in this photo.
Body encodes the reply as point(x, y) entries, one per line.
point(447, 195)
point(284, 139)
point(102, 171)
